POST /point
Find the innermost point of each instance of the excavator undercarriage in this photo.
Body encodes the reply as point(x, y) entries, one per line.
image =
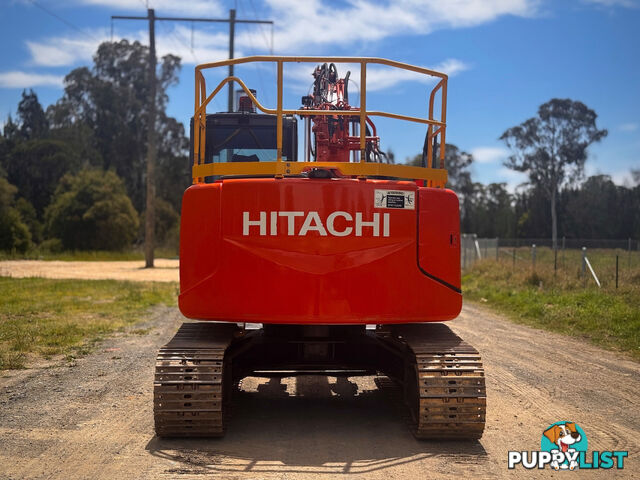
point(440, 375)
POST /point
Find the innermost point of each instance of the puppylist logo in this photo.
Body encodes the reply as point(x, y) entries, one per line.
point(563, 446)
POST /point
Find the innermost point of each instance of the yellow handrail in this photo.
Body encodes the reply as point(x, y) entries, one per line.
point(436, 177)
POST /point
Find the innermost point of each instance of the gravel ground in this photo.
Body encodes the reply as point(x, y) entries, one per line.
point(93, 419)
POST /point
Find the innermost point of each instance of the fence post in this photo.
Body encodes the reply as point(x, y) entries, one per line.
point(533, 256)
point(555, 261)
point(497, 246)
point(584, 265)
point(616, 271)
point(514, 258)
point(563, 251)
point(629, 252)
point(464, 256)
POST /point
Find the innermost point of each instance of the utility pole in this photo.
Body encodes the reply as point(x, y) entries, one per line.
point(149, 224)
point(150, 215)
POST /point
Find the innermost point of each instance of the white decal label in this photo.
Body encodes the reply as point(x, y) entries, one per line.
point(403, 199)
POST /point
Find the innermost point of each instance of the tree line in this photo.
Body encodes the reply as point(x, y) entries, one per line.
point(557, 201)
point(73, 176)
point(593, 207)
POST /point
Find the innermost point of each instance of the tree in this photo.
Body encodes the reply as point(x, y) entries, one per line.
point(14, 234)
point(33, 121)
point(589, 209)
point(36, 166)
point(111, 99)
point(457, 163)
point(488, 211)
point(91, 211)
point(29, 216)
point(166, 220)
point(552, 148)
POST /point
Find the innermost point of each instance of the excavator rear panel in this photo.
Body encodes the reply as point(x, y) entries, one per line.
point(316, 250)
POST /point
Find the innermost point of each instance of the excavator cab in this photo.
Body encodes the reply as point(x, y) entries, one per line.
point(345, 261)
point(247, 136)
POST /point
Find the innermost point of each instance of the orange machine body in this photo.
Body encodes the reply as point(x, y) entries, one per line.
point(319, 251)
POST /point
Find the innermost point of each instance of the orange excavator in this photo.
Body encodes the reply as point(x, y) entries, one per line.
point(339, 263)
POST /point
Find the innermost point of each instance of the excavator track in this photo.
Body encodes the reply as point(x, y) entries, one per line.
point(444, 384)
point(189, 384)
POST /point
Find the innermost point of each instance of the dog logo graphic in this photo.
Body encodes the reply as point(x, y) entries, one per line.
point(565, 441)
point(563, 446)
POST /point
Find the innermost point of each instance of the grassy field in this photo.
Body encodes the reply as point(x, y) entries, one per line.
point(42, 317)
point(86, 256)
point(563, 301)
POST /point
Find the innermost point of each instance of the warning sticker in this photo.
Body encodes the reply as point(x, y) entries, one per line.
point(395, 199)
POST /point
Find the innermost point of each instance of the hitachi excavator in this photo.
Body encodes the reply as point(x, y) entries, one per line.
point(338, 263)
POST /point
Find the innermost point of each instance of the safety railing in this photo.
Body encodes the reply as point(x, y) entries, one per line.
point(434, 177)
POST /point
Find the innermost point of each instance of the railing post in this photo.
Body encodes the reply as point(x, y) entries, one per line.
point(497, 247)
point(279, 113)
point(443, 119)
point(363, 111)
point(514, 258)
point(616, 271)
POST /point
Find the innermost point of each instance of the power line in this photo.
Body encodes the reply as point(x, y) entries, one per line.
point(262, 89)
point(270, 45)
point(59, 18)
point(178, 37)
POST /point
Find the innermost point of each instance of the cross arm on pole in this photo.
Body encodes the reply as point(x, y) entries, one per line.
point(189, 19)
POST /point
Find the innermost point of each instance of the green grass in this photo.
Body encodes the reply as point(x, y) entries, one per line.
point(43, 317)
point(98, 256)
point(561, 302)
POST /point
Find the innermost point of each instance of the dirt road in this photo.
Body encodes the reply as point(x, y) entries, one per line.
point(94, 420)
point(166, 270)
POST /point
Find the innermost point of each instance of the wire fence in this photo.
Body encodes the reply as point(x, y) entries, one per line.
point(600, 262)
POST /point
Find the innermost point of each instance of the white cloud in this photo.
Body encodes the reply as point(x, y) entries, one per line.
point(512, 178)
point(378, 77)
point(16, 79)
point(300, 25)
point(206, 8)
point(74, 49)
point(176, 39)
point(629, 127)
point(489, 154)
point(65, 51)
point(620, 177)
point(311, 23)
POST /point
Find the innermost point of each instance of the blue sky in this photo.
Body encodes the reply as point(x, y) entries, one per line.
point(504, 58)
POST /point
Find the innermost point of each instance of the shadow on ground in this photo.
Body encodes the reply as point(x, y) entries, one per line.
point(312, 425)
